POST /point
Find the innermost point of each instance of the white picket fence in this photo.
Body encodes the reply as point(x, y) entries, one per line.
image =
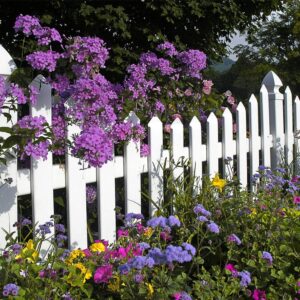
point(270, 130)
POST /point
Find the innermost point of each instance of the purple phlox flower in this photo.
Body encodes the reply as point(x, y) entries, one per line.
point(159, 107)
point(18, 93)
point(60, 228)
point(60, 239)
point(245, 278)
point(213, 227)
point(199, 209)
point(190, 248)
point(168, 48)
point(173, 221)
point(10, 289)
point(43, 60)
point(44, 229)
point(91, 194)
point(157, 222)
point(145, 150)
point(26, 24)
point(267, 256)
point(234, 239)
point(259, 295)
point(202, 219)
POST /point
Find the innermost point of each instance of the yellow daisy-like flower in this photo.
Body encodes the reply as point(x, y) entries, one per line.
point(150, 290)
point(85, 274)
point(114, 285)
point(97, 247)
point(218, 182)
point(77, 253)
point(148, 232)
point(29, 253)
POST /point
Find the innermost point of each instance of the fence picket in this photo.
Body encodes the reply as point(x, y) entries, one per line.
point(241, 143)
point(177, 149)
point(254, 141)
point(212, 145)
point(266, 142)
point(297, 133)
point(155, 163)
point(195, 141)
point(41, 182)
point(228, 145)
point(288, 120)
point(132, 174)
point(8, 192)
point(106, 201)
point(273, 83)
point(76, 198)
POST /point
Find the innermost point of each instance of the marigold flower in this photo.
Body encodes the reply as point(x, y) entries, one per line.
point(77, 253)
point(150, 290)
point(29, 253)
point(85, 274)
point(148, 232)
point(218, 182)
point(97, 247)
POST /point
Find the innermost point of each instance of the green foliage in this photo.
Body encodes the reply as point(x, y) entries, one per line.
point(133, 27)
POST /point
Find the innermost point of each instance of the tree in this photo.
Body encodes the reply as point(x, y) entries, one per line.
point(132, 27)
point(275, 43)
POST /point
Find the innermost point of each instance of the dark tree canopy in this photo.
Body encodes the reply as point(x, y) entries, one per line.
point(130, 26)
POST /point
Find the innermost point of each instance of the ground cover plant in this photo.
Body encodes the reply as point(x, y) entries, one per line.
point(222, 244)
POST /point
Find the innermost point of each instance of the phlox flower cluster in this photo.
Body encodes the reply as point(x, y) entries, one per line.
point(10, 289)
point(245, 276)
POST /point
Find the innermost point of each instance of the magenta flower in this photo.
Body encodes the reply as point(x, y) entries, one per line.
point(259, 295)
point(103, 274)
point(232, 270)
point(296, 200)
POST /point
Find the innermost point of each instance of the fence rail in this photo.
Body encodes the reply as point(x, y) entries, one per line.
point(268, 131)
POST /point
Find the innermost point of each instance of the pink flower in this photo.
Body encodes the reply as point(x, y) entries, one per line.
point(207, 85)
point(175, 116)
point(296, 199)
point(122, 233)
point(231, 100)
point(231, 269)
point(87, 252)
point(167, 128)
point(176, 296)
point(259, 295)
point(103, 274)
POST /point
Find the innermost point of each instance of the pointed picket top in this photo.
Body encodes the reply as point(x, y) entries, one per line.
point(263, 89)
point(272, 82)
point(241, 107)
point(194, 122)
point(297, 99)
point(288, 92)
point(212, 118)
point(252, 99)
point(154, 122)
point(7, 64)
point(176, 124)
point(133, 118)
point(226, 113)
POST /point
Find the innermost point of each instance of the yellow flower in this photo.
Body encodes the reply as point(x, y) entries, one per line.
point(150, 290)
point(77, 253)
point(148, 232)
point(85, 274)
point(114, 285)
point(253, 212)
point(218, 182)
point(29, 253)
point(97, 247)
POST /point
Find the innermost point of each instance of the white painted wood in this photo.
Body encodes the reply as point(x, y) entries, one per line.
point(41, 182)
point(196, 157)
point(8, 192)
point(297, 133)
point(177, 149)
point(76, 198)
point(212, 142)
point(265, 127)
point(254, 140)
point(273, 83)
point(132, 175)
point(155, 163)
point(288, 120)
point(106, 202)
point(241, 144)
point(228, 147)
